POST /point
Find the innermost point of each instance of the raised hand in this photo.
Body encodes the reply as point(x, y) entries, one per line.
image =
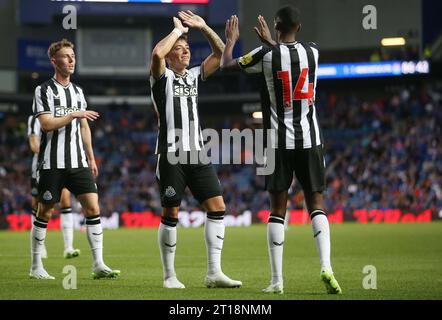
point(232, 29)
point(263, 32)
point(191, 20)
point(177, 23)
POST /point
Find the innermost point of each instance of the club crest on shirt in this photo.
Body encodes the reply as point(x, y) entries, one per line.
point(61, 111)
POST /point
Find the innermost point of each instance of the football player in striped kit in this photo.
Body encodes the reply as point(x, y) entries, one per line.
point(175, 99)
point(66, 215)
point(289, 68)
point(66, 158)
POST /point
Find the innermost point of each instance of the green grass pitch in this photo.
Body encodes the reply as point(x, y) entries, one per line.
point(407, 257)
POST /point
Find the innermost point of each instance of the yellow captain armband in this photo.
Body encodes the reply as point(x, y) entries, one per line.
point(245, 59)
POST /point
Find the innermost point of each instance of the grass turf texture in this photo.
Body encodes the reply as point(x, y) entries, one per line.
point(408, 258)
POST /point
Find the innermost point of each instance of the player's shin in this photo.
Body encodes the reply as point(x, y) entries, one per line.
point(214, 234)
point(167, 237)
point(275, 240)
point(95, 238)
point(38, 236)
point(321, 233)
point(44, 253)
point(67, 227)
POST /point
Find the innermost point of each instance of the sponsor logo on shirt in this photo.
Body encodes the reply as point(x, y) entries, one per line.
point(61, 111)
point(184, 91)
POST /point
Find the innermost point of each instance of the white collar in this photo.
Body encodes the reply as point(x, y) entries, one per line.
point(65, 87)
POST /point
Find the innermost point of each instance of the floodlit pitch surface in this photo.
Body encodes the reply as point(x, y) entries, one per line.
point(407, 258)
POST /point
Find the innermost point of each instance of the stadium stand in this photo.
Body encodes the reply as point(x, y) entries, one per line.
point(381, 152)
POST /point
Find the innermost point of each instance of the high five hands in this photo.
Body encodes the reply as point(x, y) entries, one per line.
point(191, 20)
point(232, 29)
point(263, 32)
point(179, 25)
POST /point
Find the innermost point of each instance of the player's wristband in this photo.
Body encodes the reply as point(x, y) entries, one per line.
point(178, 32)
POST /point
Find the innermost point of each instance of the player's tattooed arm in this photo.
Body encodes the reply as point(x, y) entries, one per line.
point(232, 35)
point(158, 63)
point(215, 41)
point(212, 62)
point(263, 32)
point(86, 136)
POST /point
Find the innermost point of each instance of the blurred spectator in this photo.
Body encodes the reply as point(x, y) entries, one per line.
point(380, 153)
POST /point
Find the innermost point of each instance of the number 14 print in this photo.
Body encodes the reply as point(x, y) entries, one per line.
point(297, 93)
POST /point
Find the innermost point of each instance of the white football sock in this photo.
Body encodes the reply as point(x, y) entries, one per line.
point(95, 238)
point(321, 232)
point(38, 236)
point(67, 227)
point(275, 241)
point(167, 237)
point(214, 234)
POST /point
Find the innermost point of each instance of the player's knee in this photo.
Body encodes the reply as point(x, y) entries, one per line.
point(170, 212)
point(278, 209)
point(65, 203)
point(215, 204)
point(314, 201)
point(93, 210)
point(278, 213)
point(34, 204)
point(219, 207)
point(45, 212)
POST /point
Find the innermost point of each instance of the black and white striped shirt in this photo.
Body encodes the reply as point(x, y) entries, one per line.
point(34, 129)
point(62, 148)
point(289, 70)
point(175, 100)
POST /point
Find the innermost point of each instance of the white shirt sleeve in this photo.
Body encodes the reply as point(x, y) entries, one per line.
point(42, 100)
point(166, 74)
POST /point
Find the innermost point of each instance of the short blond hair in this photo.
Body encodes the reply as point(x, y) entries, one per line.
point(56, 46)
